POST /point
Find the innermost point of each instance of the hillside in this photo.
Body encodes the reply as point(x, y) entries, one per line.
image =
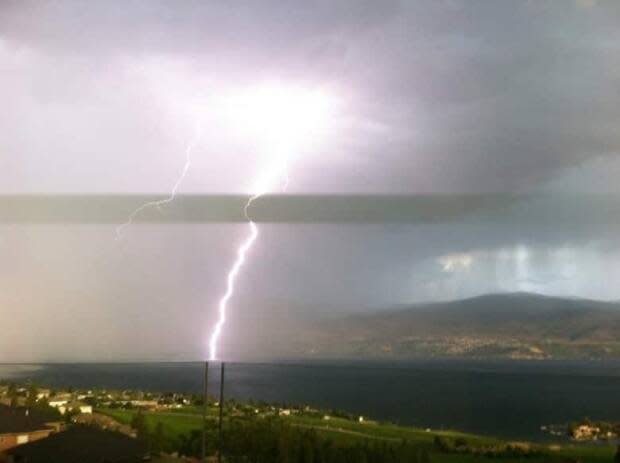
point(518, 325)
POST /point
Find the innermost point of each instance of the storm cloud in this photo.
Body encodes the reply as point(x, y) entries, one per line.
point(433, 97)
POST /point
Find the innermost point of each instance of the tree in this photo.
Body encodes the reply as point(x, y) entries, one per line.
point(572, 427)
point(423, 456)
point(12, 393)
point(138, 422)
point(190, 444)
point(443, 444)
point(158, 437)
point(43, 403)
point(31, 398)
point(307, 451)
point(71, 413)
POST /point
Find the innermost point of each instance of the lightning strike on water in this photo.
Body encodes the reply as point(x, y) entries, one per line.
point(283, 120)
point(160, 202)
point(280, 171)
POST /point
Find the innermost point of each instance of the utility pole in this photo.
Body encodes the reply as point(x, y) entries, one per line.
point(221, 446)
point(204, 414)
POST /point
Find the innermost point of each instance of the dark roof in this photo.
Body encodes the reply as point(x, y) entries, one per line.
point(82, 444)
point(15, 419)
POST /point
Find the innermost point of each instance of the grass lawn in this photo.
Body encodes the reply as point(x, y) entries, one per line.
point(386, 431)
point(174, 424)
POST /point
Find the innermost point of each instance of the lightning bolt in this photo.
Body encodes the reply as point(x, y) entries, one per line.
point(160, 202)
point(279, 170)
point(279, 117)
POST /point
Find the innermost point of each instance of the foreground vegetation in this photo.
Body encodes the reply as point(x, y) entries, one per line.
point(270, 438)
point(268, 433)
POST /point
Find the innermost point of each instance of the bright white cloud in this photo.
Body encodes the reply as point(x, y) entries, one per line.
point(455, 262)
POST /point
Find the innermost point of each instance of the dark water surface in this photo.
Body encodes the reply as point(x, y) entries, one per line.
point(509, 399)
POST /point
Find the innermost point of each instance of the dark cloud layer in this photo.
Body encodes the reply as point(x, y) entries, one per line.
point(476, 96)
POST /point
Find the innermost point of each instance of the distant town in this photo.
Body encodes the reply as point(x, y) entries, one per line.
point(30, 415)
point(42, 424)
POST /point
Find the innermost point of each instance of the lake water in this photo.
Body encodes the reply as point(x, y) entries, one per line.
point(508, 399)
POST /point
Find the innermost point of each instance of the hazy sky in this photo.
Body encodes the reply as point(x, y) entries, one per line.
point(437, 96)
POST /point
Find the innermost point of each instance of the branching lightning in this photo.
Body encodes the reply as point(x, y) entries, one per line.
point(279, 119)
point(173, 192)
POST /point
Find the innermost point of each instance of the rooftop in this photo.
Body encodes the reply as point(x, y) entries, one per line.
point(22, 419)
point(82, 444)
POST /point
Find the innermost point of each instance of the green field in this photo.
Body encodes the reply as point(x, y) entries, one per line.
point(176, 425)
point(182, 421)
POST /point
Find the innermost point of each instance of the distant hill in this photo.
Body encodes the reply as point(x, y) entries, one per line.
point(515, 325)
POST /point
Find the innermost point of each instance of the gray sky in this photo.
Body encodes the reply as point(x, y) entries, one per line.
point(437, 96)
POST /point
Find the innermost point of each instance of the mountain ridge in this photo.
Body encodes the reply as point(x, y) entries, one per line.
point(512, 325)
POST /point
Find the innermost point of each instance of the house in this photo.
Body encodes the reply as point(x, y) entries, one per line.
point(55, 403)
point(104, 422)
point(19, 425)
point(6, 400)
point(43, 394)
point(586, 431)
point(75, 406)
point(86, 409)
point(83, 444)
point(147, 404)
